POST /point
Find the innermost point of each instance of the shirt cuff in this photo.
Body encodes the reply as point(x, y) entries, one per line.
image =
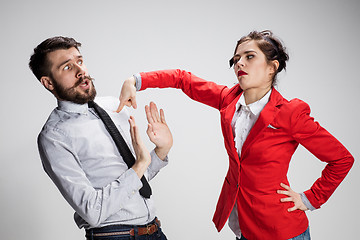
point(137, 81)
point(155, 165)
point(306, 201)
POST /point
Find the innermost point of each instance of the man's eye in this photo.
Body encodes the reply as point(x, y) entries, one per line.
point(67, 67)
point(80, 62)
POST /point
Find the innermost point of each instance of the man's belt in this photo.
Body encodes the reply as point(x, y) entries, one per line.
point(146, 230)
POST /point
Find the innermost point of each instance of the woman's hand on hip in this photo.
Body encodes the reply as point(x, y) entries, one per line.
point(292, 197)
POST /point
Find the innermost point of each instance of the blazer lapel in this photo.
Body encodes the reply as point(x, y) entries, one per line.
point(227, 115)
point(267, 115)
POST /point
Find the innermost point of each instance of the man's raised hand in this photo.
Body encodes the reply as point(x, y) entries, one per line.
point(158, 131)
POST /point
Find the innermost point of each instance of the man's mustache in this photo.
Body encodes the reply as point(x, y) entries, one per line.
point(81, 79)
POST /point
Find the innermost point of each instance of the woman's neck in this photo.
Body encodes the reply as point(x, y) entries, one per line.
point(253, 95)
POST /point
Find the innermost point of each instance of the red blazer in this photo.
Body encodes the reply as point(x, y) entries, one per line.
point(253, 179)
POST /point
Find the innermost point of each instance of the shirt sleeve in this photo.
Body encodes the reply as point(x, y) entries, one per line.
point(137, 81)
point(156, 165)
point(325, 147)
point(62, 165)
point(306, 201)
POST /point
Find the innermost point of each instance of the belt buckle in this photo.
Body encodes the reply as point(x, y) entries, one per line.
point(148, 230)
point(151, 229)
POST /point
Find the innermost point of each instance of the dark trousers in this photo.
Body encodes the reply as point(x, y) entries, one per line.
point(242, 238)
point(118, 232)
point(304, 236)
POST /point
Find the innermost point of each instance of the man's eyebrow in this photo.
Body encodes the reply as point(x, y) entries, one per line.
point(68, 60)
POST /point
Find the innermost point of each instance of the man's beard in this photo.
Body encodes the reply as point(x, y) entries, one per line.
point(72, 95)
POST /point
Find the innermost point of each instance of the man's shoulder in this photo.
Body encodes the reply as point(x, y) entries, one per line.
point(54, 122)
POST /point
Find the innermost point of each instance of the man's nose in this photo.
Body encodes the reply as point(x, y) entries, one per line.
point(80, 71)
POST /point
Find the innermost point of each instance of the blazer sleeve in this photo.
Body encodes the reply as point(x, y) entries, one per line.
point(196, 88)
point(325, 147)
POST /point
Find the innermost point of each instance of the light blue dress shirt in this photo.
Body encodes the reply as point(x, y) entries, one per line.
point(83, 161)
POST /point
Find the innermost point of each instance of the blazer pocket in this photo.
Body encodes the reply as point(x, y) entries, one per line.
point(272, 127)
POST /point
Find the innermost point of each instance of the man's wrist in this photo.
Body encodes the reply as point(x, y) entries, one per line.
point(140, 167)
point(161, 152)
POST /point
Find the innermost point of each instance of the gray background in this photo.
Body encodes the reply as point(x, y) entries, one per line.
point(121, 38)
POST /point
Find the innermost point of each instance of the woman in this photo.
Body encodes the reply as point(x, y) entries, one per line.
point(261, 132)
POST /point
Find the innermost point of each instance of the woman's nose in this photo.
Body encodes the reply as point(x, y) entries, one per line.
point(240, 62)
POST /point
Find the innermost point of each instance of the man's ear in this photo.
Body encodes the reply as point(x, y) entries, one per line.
point(47, 83)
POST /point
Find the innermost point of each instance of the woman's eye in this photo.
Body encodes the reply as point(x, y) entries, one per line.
point(80, 62)
point(250, 56)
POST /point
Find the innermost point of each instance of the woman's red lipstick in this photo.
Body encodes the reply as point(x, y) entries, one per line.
point(241, 73)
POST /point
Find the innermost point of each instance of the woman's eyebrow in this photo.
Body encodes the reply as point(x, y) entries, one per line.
point(250, 51)
point(246, 52)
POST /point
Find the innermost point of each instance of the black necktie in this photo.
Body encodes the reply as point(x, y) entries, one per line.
point(120, 143)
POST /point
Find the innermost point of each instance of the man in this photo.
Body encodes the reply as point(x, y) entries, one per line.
point(110, 196)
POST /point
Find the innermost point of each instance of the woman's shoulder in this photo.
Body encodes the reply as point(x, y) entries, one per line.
point(294, 105)
point(288, 107)
point(291, 111)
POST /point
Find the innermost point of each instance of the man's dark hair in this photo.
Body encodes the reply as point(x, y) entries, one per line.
point(39, 63)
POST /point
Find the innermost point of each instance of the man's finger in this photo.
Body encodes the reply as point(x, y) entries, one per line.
point(162, 116)
point(131, 128)
point(136, 133)
point(154, 112)
point(150, 131)
point(149, 117)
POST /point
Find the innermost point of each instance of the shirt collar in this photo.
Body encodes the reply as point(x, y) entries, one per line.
point(255, 107)
point(72, 107)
